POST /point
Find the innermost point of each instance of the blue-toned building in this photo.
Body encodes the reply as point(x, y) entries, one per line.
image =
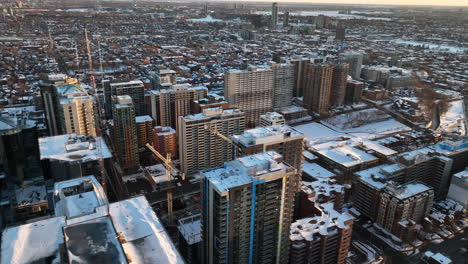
point(247, 210)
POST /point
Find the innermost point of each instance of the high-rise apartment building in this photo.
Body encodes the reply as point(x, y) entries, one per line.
point(68, 107)
point(283, 139)
point(50, 101)
point(340, 34)
point(125, 132)
point(389, 204)
point(430, 168)
point(165, 140)
point(286, 19)
point(408, 202)
point(144, 126)
point(200, 147)
point(339, 82)
point(75, 110)
point(318, 86)
point(247, 209)
point(135, 89)
point(211, 101)
point(274, 14)
point(300, 64)
point(322, 239)
point(354, 59)
point(353, 91)
point(251, 91)
point(168, 104)
point(283, 84)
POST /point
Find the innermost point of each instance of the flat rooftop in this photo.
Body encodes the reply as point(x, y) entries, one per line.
point(126, 232)
point(316, 171)
point(262, 135)
point(343, 153)
point(190, 228)
point(78, 197)
point(73, 148)
point(405, 191)
point(244, 170)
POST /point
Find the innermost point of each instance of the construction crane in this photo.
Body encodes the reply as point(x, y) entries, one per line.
point(90, 59)
point(215, 132)
point(168, 165)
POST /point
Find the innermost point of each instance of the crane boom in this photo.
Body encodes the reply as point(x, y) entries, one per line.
point(90, 59)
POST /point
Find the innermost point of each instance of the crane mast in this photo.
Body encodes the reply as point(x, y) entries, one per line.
point(90, 60)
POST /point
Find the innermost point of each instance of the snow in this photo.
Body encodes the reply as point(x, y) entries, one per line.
point(190, 228)
point(410, 189)
point(433, 46)
point(369, 123)
point(58, 148)
point(343, 153)
point(78, 203)
point(373, 177)
point(144, 118)
point(317, 133)
point(243, 170)
point(265, 135)
point(315, 170)
point(334, 14)
point(146, 240)
point(33, 242)
point(379, 129)
point(327, 224)
point(208, 18)
point(454, 119)
point(33, 194)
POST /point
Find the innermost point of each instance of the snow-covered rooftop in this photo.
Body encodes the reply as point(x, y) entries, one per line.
point(145, 239)
point(72, 147)
point(262, 135)
point(244, 170)
point(406, 190)
point(315, 170)
point(343, 153)
point(312, 228)
point(125, 232)
point(78, 197)
point(373, 176)
point(144, 118)
point(30, 195)
point(190, 228)
point(33, 242)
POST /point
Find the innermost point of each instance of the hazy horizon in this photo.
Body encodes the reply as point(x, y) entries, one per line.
point(451, 3)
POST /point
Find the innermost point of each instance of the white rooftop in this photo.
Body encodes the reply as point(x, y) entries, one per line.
point(407, 190)
point(129, 232)
point(262, 135)
point(326, 224)
point(190, 228)
point(73, 148)
point(144, 118)
point(315, 170)
point(33, 242)
point(244, 170)
point(78, 197)
point(343, 153)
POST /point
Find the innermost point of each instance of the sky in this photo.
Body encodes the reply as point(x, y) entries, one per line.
point(386, 2)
